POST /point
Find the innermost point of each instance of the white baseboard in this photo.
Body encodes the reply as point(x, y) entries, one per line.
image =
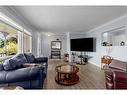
point(94, 64)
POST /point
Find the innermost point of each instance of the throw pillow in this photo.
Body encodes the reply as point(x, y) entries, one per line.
point(30, 57)
point(11, 64)
point(20, 58)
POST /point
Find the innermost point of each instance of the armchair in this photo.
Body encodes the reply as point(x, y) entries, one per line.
point(116, 75)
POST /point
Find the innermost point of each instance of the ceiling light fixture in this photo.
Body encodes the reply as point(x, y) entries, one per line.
point(49, 35)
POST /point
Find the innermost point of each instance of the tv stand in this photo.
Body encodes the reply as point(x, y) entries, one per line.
point(84, 58)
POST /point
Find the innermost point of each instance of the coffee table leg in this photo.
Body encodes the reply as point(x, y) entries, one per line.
point(58, 76)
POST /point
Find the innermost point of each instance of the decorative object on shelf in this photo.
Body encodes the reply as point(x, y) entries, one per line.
point(57, 39)
point(106, 44)
point(122, 43)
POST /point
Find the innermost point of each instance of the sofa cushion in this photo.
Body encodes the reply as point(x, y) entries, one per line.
point(41, 59)
point(1, 67)
point(30, 57)
point(22, 74)
point(117, 64)
point(11, 64)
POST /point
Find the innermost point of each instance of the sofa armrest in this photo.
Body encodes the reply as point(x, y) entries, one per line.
point(23, 74)
point(41, 59)
point(120, 76)
point(109, 76)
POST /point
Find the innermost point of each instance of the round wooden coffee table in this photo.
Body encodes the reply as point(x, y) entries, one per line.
point(66, 74)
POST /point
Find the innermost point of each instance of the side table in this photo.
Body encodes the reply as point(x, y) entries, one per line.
point(105, 60)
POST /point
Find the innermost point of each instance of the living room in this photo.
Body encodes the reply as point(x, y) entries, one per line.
point(36, 31)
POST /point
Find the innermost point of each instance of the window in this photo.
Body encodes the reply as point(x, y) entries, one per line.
point(26, 42)
point(8, 40)
point(12, 38)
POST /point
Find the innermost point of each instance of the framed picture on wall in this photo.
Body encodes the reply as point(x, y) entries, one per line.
point(55, 44)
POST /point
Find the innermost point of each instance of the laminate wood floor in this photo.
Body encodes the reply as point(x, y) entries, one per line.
point(91, 77)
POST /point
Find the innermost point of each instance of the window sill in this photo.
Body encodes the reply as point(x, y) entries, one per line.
point(6, 57)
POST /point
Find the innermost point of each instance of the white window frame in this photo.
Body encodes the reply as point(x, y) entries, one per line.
point(30, 35)
point(21, 30)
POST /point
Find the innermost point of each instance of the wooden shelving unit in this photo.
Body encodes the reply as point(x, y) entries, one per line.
point(56, 54)
point(56, 49)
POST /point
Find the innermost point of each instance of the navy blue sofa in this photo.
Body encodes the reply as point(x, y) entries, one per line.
point(12, 72)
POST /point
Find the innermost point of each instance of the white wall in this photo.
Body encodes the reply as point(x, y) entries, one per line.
point(35, 43)
point(117, 52)
point(46, 44)
point(68, 45)
point(77, 35)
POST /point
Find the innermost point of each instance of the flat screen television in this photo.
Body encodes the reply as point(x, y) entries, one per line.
point(82, 44)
